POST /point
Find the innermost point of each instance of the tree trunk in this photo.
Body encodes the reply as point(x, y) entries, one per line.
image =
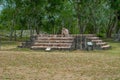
point(21, 34)
point(30, 30)
point(30, 27)
point(95, 27)
point(11, 33)
point(79, 25)
point(111, 27)
point(15, 36)
point(12, 29)
point(37, 30)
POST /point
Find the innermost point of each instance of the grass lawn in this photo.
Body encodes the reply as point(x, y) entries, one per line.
point(25, 64)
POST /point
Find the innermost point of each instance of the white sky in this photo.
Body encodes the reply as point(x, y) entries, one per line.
point(0, 7)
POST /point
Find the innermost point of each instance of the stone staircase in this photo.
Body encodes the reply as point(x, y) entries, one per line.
point(98, 43)
point(53, 42)
point(58, 42)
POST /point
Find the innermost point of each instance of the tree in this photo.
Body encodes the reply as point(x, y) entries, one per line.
point(79, 16)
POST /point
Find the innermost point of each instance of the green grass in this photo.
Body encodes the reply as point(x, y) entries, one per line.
point(26, 64)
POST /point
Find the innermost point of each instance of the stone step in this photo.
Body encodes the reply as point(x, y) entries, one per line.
point(55, 38)
point(52, 44)
point(52, 47)
point(105, 46)
point(101, 43)
point(92, 38)
point(49, 35)
point(59, 35)
point(54, 41)
point(96, 41)
point(85, 35)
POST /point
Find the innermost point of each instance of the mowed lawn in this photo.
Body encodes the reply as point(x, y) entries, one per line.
point(25, 64)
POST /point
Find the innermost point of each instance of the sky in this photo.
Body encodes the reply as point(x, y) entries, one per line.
point(0, 7)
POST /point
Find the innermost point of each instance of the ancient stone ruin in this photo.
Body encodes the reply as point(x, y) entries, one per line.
point(60, 42)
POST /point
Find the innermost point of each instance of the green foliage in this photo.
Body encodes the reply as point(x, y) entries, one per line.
point(88, 16)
